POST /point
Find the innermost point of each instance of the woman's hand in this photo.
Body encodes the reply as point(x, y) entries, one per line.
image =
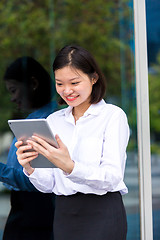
point(58, 156)
point(24, 156)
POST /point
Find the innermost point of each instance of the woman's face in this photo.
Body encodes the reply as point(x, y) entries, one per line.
point(74, 87)
point(18, 94)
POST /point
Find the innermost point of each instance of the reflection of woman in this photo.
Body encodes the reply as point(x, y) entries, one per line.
point(30, 87)
point(92, 138)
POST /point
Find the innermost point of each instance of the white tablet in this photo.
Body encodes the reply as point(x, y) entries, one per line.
point(24, 129)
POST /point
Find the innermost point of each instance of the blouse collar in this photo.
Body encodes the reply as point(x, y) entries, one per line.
point(94, 109)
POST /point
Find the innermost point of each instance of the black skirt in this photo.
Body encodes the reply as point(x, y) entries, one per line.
point(90, 217)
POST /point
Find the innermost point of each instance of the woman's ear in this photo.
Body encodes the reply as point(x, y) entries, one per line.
point(34, 83)
point(95, 78)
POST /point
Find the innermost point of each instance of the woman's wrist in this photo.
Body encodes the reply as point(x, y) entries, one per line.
point(29, 170)
point(69, 167)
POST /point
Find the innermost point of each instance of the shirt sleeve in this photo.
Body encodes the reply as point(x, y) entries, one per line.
point(110, 172)
point(42, 179)
point(15, 179)
point(11, 174)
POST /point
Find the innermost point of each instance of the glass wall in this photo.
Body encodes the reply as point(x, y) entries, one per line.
point(26, 35)
point(153, 42)
point(39, 29)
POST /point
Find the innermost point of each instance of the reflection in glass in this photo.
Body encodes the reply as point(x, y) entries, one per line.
point(30, 87)
point(26, 30)
point(153, 43)
point(28, 84)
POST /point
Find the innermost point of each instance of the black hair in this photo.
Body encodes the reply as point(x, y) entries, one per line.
point(24, 69)
point(79, 58)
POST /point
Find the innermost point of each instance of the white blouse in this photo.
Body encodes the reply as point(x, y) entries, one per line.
point(96, 143)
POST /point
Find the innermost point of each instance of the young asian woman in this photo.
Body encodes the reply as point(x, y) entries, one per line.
point(92, 136)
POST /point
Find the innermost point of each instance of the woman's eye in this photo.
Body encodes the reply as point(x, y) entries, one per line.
point(74, 83)
point(59, 84)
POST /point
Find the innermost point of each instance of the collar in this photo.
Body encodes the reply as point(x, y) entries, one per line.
point(94, 109)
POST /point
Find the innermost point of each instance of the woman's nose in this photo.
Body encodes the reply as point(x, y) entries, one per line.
point(68, 90)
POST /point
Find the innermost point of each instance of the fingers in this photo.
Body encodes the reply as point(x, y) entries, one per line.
point(27, 155)
point(23, 154)
point(59, 141)
point(39, 146)
point(21, 147)
point(25, 161)
point(25, 148)
point(40, 141)
point(18, 144)
point(25, 151)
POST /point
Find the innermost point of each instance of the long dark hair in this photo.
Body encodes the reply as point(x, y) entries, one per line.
point(79, 58)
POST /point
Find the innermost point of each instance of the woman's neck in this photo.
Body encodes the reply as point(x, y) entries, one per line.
point(79, 111)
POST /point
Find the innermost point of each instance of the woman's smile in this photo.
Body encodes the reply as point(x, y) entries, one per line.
point(71, 98)
point(74, 87)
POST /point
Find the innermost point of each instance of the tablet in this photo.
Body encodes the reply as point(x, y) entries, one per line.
point(24, 129)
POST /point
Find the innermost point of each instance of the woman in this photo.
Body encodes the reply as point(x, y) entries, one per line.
point(27, 82)
point(92, 137)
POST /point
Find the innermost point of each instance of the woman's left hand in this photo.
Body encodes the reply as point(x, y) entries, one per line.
point(60, 157)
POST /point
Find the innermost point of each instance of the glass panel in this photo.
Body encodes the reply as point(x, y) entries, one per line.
point(128, 103)
point(25, 30)
point(39, 29)
point(153, 41)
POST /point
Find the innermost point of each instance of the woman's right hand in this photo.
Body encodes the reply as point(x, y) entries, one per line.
point(24, 156)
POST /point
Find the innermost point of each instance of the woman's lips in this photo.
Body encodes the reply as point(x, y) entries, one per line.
point(71, 98)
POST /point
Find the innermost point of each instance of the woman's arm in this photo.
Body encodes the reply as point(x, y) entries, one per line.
point(11, 174)
point(15, 178)
point(41, 178)
point(109, 174)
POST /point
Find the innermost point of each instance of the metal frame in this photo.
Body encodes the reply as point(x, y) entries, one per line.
point(143, 126)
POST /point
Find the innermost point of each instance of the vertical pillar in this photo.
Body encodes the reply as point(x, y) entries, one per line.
point(143, 125)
